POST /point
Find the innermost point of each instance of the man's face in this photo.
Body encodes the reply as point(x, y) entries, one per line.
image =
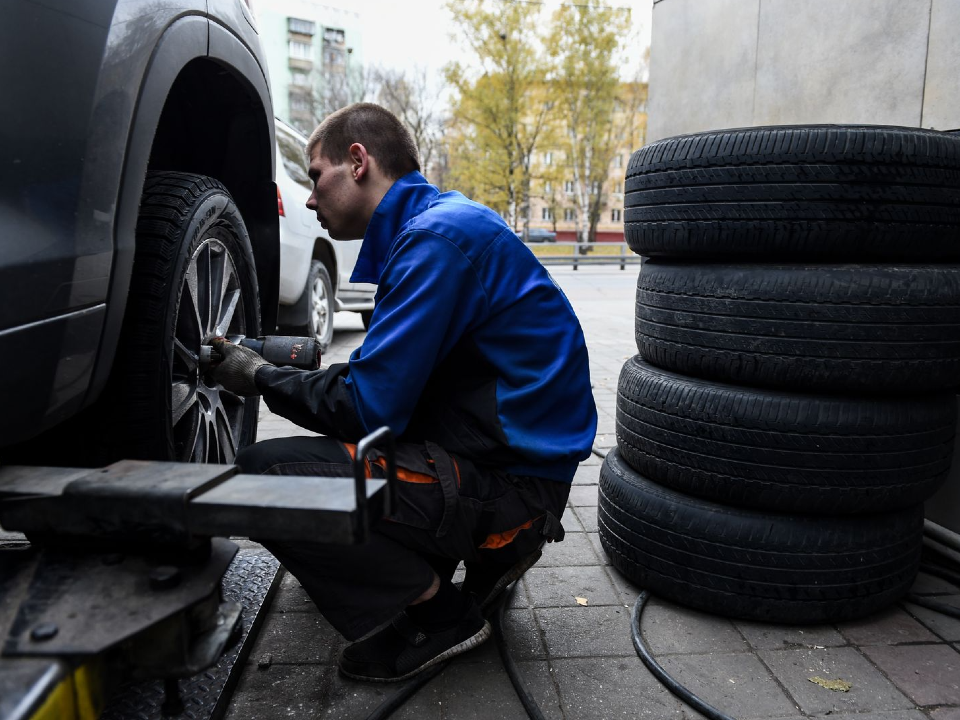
point(337, 198)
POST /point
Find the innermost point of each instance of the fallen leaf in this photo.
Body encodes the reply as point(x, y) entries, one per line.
point(835, 685)
point(580, 600)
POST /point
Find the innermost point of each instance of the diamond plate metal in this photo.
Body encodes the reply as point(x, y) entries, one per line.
point(250, 580)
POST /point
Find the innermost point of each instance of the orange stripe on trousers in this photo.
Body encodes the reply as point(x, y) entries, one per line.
point(499, 540)
point(410, 476)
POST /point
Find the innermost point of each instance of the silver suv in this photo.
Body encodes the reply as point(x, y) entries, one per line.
point(138, 221)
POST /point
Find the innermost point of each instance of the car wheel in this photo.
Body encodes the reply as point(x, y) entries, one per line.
point(366, 316)
point(193, 280)
point(320, 307)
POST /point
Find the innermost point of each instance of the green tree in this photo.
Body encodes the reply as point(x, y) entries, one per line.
point(596, 110)
point(500, 108)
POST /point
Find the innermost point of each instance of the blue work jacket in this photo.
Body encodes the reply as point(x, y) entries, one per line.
point(471, 344)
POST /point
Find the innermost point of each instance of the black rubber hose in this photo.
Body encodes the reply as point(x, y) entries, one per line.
point(943, 608)
point(662, 675)
point(941, 572)
point(513, 672)
point(395, 701)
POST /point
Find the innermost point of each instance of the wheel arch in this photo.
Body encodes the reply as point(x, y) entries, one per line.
point(230, 138)
point(324, 252)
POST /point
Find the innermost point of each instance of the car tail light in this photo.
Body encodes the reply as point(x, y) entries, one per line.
point(280, 204)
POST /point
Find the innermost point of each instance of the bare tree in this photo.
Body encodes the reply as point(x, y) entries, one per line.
point(336, 87)
point(415, 100)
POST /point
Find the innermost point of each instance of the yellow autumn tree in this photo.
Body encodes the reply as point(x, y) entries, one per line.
point(597, 111)
point(500, 104)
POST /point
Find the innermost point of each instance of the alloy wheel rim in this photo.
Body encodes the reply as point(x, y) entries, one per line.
point(319, 309)
point(207, 419)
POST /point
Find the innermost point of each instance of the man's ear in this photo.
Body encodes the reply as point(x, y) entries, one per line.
point(359, 161)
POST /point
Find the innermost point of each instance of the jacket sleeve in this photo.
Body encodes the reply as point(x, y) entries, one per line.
point(429, 295)
point(317, 400)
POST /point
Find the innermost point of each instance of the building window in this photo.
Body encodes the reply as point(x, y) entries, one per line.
point(568, 187)
point(300, 50)
point(333, 57)
point(548, 188)
point(299, 102)
point(548, 158)
point(569, 214)
point(595, 188)
point(615, 215)
point(304, 27)
point(546, 214)
point(617, 188)
point(299, 77)
point(618, 161)
point(334, 35)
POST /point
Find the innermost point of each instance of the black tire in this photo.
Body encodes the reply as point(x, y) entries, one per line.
point(320, 306)
point(366, 316)
point(192, 246)
point(745, 564)
point(783, 452)
point(797, 193)
point(842, 328)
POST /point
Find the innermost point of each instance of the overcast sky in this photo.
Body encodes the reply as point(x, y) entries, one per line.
point(411, 33)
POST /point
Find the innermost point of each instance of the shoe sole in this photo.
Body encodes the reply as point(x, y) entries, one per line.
point(511, 575)
point(481, 636)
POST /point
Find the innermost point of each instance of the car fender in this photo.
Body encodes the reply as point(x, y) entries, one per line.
point(134, 118)
point(184, 40)
point(325, 251)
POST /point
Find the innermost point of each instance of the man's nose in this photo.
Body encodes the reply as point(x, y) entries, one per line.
point(312, 201)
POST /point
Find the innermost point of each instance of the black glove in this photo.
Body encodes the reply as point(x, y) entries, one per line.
point(236, 372)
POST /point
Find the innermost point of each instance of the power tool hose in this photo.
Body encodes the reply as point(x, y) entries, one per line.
point(395, 701)
point(662, 675)
point(513, 672)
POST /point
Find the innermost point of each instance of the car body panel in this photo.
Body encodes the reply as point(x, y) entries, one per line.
point(300, 233)
point(88, 90)
point(536, 235)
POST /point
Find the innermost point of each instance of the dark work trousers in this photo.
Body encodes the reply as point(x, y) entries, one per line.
point(449, 509)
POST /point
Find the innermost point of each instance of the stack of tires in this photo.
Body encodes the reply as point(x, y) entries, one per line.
point(793, 401)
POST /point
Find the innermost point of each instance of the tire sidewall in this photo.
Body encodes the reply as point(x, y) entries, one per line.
point(215, 216)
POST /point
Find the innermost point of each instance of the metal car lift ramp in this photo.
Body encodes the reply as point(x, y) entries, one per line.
point(128, 583)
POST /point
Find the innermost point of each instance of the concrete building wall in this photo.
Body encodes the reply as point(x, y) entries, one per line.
point(739, 63)
point(735, 63)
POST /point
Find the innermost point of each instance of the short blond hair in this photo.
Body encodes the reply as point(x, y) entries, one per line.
point(377, 129)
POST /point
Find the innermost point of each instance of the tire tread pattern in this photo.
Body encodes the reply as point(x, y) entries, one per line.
point(813, 192)
point(751, 565)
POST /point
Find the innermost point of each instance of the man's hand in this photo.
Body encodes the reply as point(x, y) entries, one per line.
point(236, 372)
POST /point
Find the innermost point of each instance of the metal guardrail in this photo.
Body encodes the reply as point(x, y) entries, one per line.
point(582, 253)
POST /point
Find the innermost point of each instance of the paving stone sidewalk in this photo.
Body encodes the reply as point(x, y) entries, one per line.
point(578, 661)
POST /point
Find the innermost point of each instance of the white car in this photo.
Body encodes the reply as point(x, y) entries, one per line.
point(314, 269)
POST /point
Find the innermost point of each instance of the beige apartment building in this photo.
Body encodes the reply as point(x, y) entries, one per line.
point(554, 193)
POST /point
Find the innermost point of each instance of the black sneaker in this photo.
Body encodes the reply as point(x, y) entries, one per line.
point(402, 649)
point(487, 580)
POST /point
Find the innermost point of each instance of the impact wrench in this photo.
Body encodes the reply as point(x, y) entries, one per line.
point(298, 352)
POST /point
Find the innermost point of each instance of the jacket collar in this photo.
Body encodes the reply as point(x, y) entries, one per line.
point(407, 197)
